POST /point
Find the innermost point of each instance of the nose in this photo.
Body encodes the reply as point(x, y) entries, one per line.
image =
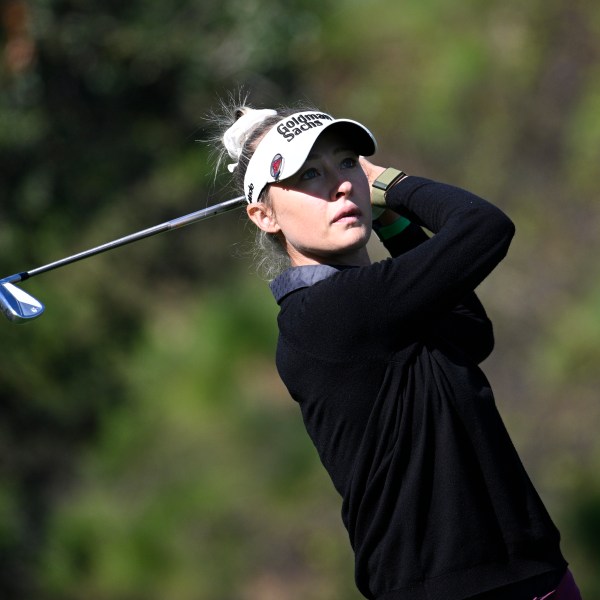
point(342, 188)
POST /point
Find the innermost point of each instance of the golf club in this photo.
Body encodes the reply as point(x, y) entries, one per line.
point(20, 307)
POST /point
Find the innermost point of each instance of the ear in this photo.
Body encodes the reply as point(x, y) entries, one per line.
point(263, 217)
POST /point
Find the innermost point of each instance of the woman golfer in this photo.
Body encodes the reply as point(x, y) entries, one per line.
point(383, 360)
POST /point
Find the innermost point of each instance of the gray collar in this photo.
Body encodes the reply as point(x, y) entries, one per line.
point(300, 277)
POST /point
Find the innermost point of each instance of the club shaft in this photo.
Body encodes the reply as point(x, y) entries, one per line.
point(177, 223)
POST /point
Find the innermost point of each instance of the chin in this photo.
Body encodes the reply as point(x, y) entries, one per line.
point(358, 237)
point(350, 253)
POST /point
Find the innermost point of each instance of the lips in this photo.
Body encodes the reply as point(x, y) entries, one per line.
point(347, 213)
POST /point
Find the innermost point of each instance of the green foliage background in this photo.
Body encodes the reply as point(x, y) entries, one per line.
point(147, 448)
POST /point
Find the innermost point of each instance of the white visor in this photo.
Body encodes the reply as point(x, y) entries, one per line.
point(284, 149)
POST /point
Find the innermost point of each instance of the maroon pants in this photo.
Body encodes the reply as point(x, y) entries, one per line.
point(567, 590)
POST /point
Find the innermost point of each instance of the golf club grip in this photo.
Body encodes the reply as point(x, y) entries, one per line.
point(176, 223)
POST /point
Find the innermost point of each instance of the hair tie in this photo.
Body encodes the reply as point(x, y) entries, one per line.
point(235, 137)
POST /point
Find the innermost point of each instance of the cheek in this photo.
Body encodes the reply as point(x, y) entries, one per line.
point(301, 223)
point(363, 190)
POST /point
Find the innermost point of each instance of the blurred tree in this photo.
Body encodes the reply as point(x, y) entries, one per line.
point(203, 485)
point(142, 445)
point(100, 108)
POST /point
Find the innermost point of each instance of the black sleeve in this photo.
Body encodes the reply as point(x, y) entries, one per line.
point(406, 240)
point(467, 325)
point(374, 305)
point(468, 328)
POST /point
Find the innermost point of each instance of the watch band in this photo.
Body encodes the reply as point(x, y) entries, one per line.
point(383, 183)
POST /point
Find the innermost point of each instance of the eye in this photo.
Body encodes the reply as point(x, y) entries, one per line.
point(349, 162)
point(309, 174)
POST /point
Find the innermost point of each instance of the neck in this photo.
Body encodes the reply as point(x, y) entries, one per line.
point(358, 258)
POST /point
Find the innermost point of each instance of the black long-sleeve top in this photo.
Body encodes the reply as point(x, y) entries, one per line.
point(383, 361)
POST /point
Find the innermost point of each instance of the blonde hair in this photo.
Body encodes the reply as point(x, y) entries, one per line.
point(269, 253)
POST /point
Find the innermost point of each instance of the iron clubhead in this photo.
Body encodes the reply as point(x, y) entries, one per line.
point(17, 305)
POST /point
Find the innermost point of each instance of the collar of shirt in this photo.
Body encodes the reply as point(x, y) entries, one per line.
point(295, 278)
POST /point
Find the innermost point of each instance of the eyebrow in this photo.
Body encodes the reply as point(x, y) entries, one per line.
point(339, 150)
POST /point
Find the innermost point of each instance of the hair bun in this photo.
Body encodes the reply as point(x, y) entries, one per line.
point(235, 137)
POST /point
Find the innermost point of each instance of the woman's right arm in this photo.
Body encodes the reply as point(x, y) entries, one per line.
point(470, 237)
